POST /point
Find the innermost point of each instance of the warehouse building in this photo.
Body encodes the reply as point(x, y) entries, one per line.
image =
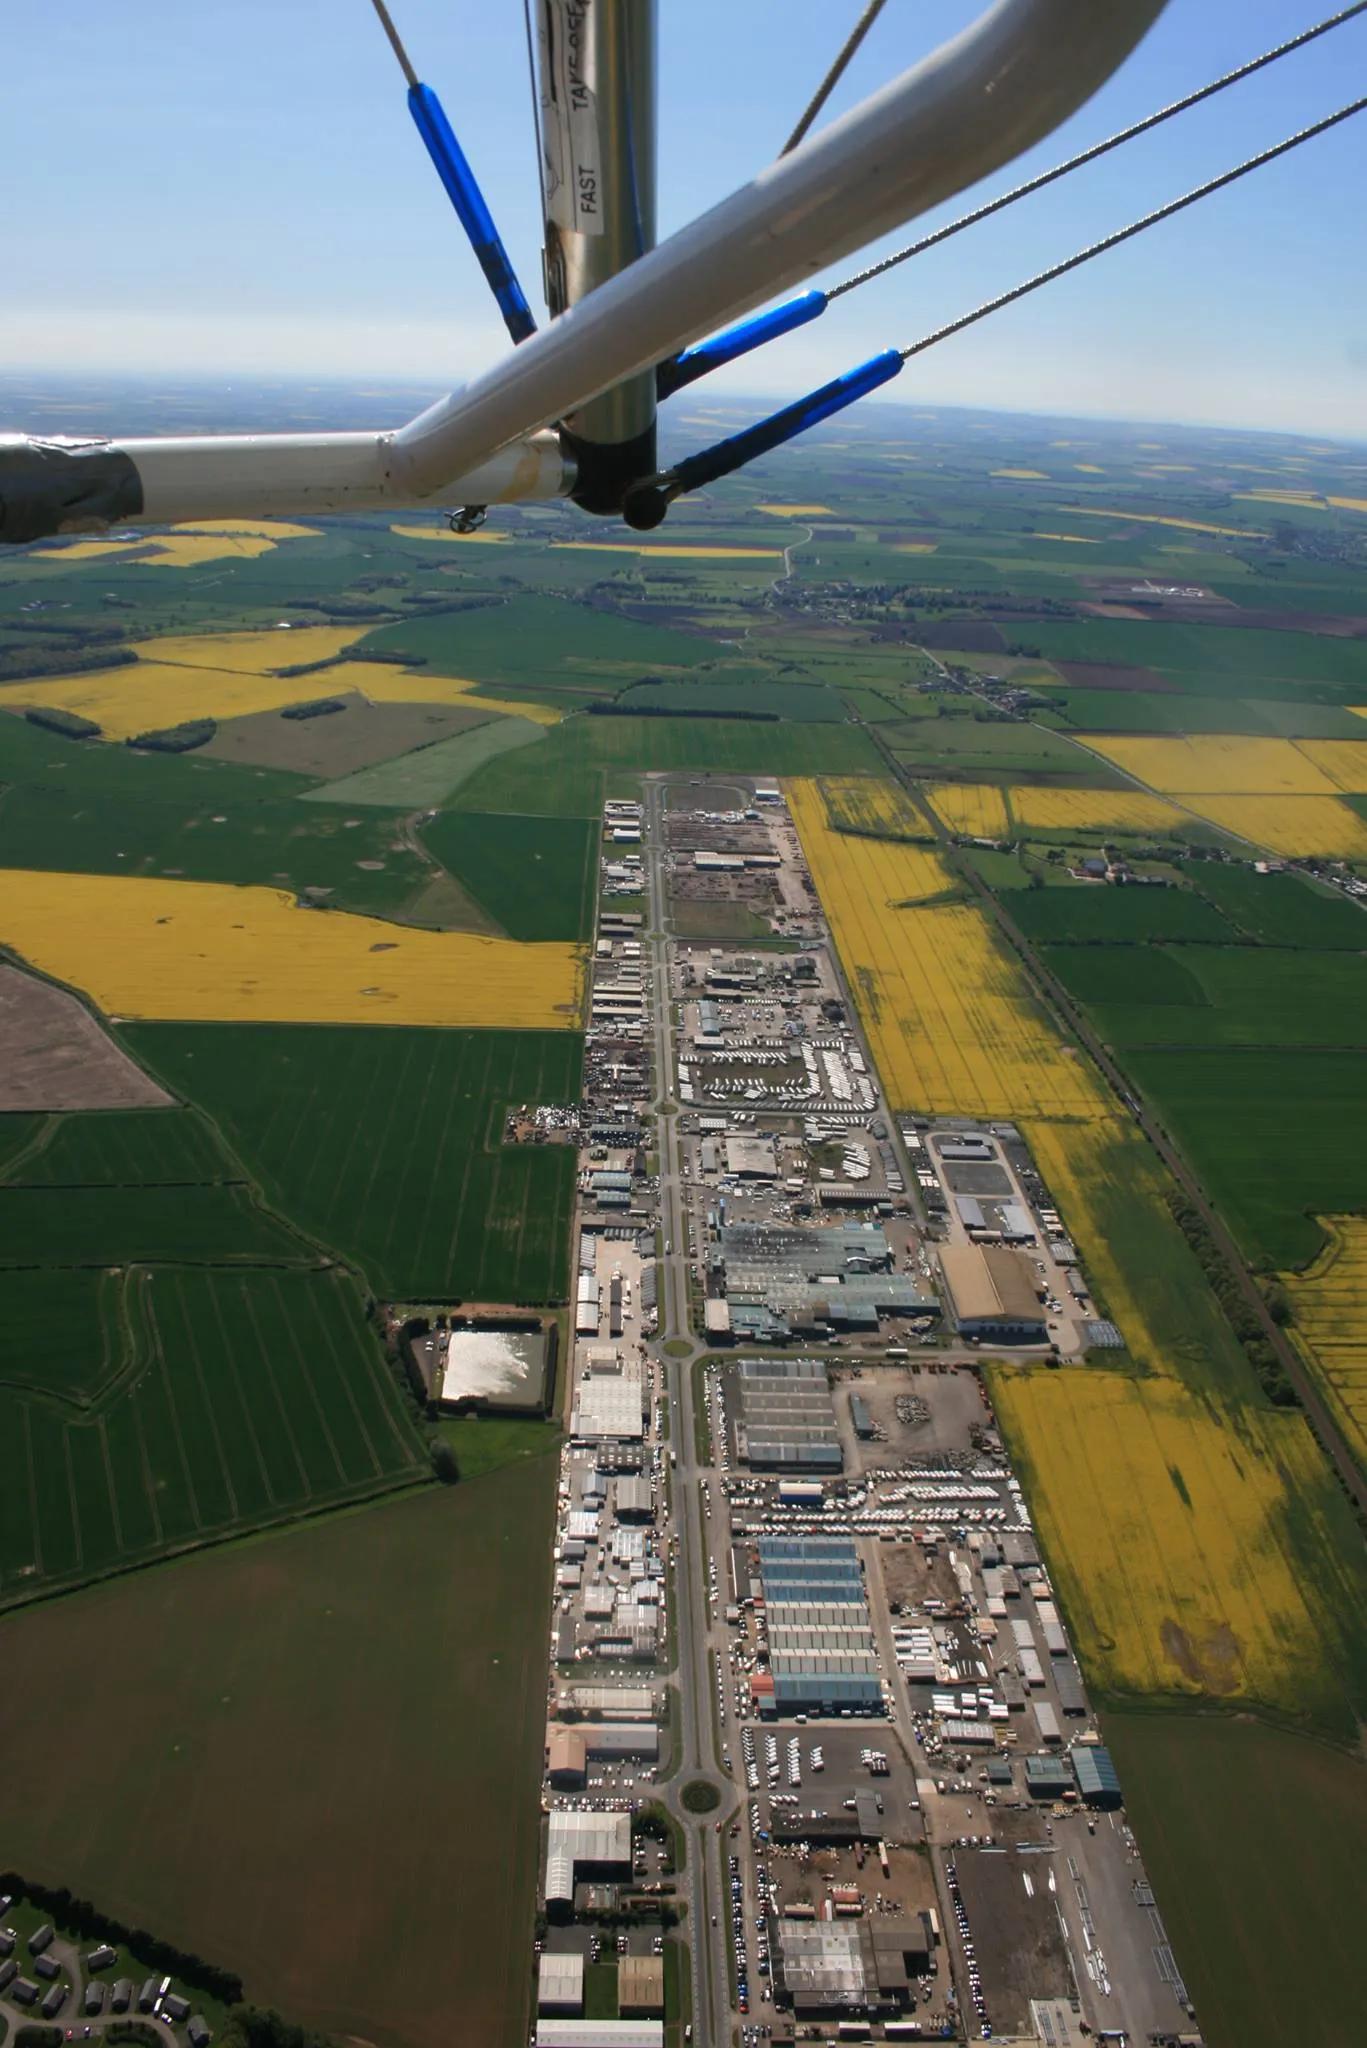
point(560, 1983)
point(610, 1396)
point(824, 1968)
point(752, 1158)
point(600, 2034)
point(641, 1987)
point(1098, 1783)
point(786, 1418)
point(820, 1643)
point(780, 1280)
point(992, 1294)
point(584, 1845)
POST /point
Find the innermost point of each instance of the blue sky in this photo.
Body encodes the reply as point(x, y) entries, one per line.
point(233, 186)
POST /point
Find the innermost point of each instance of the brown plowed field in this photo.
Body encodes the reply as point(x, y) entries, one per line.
point(339, 742)
point(313, 1757)
point(53, 1055)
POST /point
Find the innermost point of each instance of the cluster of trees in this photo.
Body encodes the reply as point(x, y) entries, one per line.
point(611, 707)
point(24, 663)
point(1239, 1312)
point(176, 739)
point(69, 724)
point(79, 1917)
point(408, 1376)
point(317, 707)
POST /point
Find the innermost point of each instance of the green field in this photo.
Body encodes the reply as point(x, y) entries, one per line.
point(1238, 995)
point(317, 1724)
point(59, 1226)
point(1113, 975)
point(223, 1401)
point(41, 760)
point(1096, 912)
point(1276, 1137)
point(114, 1148)
point(418, 780)
point(538, 636)
point(388, 1145)
point(1283, 909)
point(565, 775)
point(1161, 711)
point(1250, 1837)
point(64, 1336)
point(273, 842)
point(1217, 655)
point(535, 877)
point(990, 746)
point(762, 694)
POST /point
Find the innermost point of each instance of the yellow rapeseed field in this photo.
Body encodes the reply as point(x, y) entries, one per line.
point(686, 554)
point(975, 809)
point(950, 1019)
point(1289, 825)
point(185, 546)
point(1343, 761)
point(1212, 764)
point(1081, 540)
point(1033, 476)
point(1091, 810)
point(255, 653)
point(1149, 519)
point(445, 533)
point(207, 951)
point(1330, 1330)
point(870, 803)
point(1168, 1528)
point(794, 511)
point(229, 675)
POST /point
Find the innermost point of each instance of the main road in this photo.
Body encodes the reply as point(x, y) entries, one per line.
point(676, 1350)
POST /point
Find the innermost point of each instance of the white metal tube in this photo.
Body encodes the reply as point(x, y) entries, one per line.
point(973, 105)
point(238, 476)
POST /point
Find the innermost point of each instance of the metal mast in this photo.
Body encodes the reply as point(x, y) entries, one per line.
point(596, 61)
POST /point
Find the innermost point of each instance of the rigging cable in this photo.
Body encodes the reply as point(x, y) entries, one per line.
point(647, 503)
point(1098, 149)
point(1136, 227)
point(706, 356)
point(835, 74)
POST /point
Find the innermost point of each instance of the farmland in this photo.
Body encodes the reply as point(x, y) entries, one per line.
point(1282, 910)
point(1092, 911)
point(865, 803)
point(357, 863)
point(1226, 995)
point(388, 1145)
point(429, 775)
point(60, 1226)
point(564, 775)
point(1297, 1895)
point(1091, 810)
point(1199, 1551)
point(262, 1674)
point(1277, 1138)
point(226, 1400)
point(1293, 826)
point(1220, 765)
point(535, 878)
point(1330, 1301)
point(1111, 1190)
point(977, 810)
point(951, 1021)
point(166, 1148)
point(153, 948)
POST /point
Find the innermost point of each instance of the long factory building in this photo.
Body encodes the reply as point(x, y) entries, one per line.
point(810, 1591)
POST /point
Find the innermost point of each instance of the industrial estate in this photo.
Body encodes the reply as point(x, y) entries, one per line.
point(741, 1160)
